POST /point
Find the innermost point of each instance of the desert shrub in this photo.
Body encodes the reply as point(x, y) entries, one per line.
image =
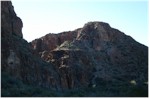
point(67, 45)
point(12, 87)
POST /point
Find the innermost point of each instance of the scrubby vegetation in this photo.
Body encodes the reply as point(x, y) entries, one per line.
point(67, 45)
point(12, 87)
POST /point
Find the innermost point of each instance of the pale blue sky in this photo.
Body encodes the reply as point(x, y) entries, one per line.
point(53, 16)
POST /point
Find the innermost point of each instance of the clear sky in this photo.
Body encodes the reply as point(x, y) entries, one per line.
point(53, 16)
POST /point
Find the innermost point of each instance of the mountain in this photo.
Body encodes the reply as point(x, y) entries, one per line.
point(98, 54)
point(95, 60)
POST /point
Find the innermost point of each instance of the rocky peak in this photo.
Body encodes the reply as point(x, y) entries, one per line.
point(92, 35)
point(96, 35)
point(96, 57)
point(101, 26)
point(99, 45)
point(11, 24)
point(92, 29)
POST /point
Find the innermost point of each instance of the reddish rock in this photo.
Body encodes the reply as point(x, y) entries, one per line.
point(51, 41)
point(96, 55)
point(97, 51)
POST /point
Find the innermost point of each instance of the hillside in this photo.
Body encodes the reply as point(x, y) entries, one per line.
point(93, 60)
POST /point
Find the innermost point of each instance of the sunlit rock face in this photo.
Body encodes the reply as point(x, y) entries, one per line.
point(98, 53)
point(51, 41)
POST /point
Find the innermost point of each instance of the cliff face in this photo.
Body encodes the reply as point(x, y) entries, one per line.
point(11, 24)
point(17, 55)
point(95, 60)
point(51, 41)
point(98, 54)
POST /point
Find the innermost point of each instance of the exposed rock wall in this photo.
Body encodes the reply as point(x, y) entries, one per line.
point(98, 52)
point(51, 41)
point(10, 22)
point(92, 56)
point(18, 58)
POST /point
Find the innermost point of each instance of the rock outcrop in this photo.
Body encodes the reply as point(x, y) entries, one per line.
point(10, 22)
point(51, 41)
point(98, 54)
point(95, 60)
point(18, 59)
